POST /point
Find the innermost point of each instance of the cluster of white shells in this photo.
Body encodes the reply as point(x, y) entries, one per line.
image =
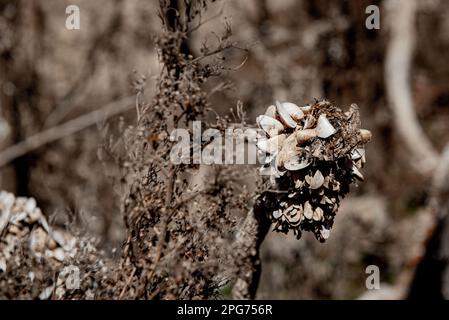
point(21, 219)
point(296, 143)
point(284, 149)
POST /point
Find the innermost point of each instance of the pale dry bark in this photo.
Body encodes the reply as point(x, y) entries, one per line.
point(425, 159)
point(402, 21)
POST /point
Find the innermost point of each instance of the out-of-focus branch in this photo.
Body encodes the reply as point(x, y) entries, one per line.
point(397, 78)
point(247, 247)
point(440, 180)
point(426, 160)
point(430, 245)
point(70, 127)
point(428, 271)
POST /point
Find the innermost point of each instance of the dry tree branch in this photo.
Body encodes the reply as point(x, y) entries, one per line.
point(310, 204)
point(397, 77)
point(249, 239)
point(144, 203)
point(440, 181)
point(63, 130)
point(203, 22)
point(404, 287)
point(220, 49)
point(397, 72)
point(426, 160)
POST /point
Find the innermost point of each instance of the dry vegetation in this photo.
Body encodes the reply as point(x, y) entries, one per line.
point(85, 123)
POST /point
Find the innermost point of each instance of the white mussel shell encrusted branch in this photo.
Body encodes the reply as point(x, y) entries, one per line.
point(313, 154)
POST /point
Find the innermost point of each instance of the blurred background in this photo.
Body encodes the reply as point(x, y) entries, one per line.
point(298, 50)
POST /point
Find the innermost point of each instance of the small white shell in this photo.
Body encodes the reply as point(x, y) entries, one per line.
point(270, 125)
point(325, 232)
point(296, 163)
point(271, 111)
point(323, 200)
point(272, 170)
point(324, 128)
point(302, 136)
point(285, 116)
point(277, 214)
point(59, 254)
point(295, 219)
point(356, 172)
point(318, 214)
point(326, 200)
point(34, 215)
point(289, 210)
point(271, 145)
point(288, 150)
point(357, 153)
point(316, 181)
point(2, 264)
point(30, 204)
point(293, 110)
point(310, 122)
point(308, 211)
point(365, 135)
point(358, 163)
point(306, 108)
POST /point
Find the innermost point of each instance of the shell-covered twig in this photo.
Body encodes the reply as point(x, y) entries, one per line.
point(314, 153)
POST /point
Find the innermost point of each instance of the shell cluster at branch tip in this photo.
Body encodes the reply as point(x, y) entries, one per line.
point(313, 154)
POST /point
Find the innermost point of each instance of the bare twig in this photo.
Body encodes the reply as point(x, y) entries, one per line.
point(68, 128)
point(219, 87)
point(397, 74)
point(239, 66)
point(166, 220)
point(138, 106)
point(202, 23)
point(220, 49)
point(128, 281)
